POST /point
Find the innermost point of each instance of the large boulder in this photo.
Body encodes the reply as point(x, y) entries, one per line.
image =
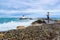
point(1, 36)
point(39, 22)
point(20, 27)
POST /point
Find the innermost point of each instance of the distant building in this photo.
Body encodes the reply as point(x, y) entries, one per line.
point(23, 16)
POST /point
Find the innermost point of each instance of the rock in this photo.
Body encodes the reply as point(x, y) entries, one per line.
point(36, 24)
point(20, 27)
point(57, 21)
point(39, 22)
point(32, 33)
point(1, 35)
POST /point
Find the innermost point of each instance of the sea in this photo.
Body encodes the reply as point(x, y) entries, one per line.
point(12, 23)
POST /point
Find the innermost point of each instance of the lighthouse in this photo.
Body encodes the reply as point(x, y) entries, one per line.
point(23, 17)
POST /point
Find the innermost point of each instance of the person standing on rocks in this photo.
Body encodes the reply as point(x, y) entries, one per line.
point(48, 17)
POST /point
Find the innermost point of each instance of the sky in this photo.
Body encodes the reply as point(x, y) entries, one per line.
point(16, 8)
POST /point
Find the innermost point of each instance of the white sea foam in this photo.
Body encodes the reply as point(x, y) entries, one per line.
point(13, 25)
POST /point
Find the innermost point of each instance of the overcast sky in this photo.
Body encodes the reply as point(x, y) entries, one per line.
point(17, 7)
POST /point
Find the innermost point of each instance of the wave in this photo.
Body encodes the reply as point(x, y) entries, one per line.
point(13, 25)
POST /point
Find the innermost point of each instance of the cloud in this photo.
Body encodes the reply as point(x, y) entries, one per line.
point(29, 6)
point(26, 11)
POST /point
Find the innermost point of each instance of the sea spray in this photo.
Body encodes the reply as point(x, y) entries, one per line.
point(13, 24)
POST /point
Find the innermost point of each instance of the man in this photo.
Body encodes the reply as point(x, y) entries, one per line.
point(48, 17)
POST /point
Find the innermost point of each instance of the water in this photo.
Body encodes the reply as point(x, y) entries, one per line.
point(12, 23)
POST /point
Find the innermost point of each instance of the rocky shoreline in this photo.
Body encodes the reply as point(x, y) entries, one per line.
point(38, 30)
